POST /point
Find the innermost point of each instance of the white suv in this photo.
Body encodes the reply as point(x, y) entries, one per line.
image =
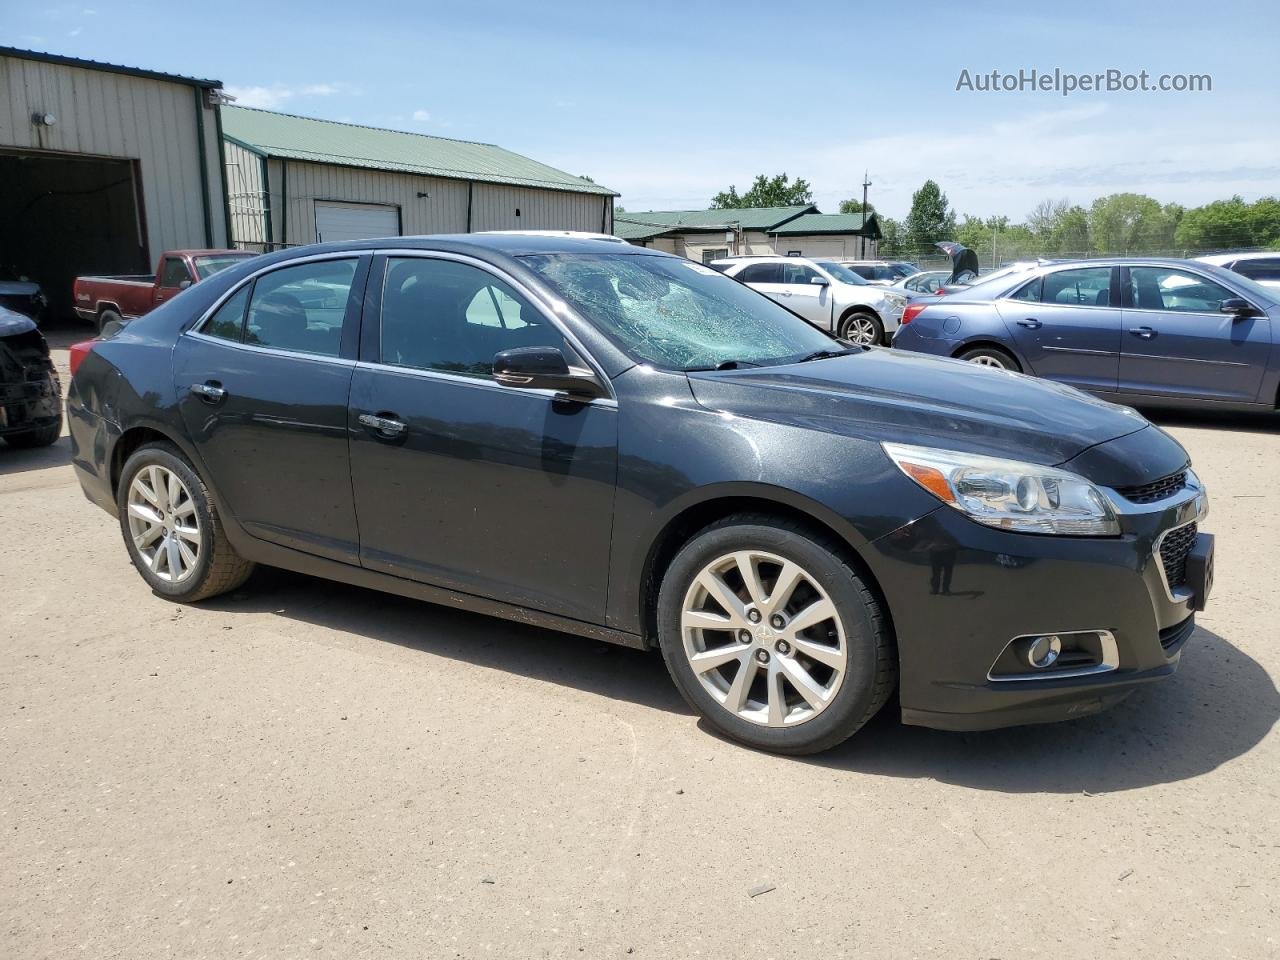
point(822, 291)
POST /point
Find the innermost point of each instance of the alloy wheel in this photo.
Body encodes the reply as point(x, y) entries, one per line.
point(763, 638)
point(163, 523)
point(986, 360)
point(860, 329)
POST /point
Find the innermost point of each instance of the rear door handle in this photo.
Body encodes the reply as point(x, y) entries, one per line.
point(386, 427)
point(210, 391)
point(784, 293)
point(1146, 333)
point(1031, 323)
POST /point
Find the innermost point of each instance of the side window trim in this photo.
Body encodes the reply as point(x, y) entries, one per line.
point(351, 319)
point(370, 351)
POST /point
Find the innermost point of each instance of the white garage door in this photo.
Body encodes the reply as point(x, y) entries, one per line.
point(354, 221)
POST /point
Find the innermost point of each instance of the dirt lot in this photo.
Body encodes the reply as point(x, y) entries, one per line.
point(304, 769)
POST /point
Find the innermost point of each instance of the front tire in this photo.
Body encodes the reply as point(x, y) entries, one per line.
point(172, 530)
point(773, 637)
point(861, 327)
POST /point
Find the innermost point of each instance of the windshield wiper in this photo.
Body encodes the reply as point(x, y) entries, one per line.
point(723, 365)
point(824, 354)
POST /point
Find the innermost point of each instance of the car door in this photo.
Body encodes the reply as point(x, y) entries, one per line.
point(263, 386)
point(175, 276)
point(1066, 324)
point(765, 278)
point(462, 482)
point(1179, 343)
point(807, 292)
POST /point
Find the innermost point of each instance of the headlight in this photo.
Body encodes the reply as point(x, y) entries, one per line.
point(896, 300)
point(1009, 494)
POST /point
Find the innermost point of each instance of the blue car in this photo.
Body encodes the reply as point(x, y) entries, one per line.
point(1135, 330)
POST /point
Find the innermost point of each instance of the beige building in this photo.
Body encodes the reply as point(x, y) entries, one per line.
point(103, 167)
point(706, 235)
point(294, 180)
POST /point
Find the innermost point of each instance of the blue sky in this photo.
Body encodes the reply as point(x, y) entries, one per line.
point(670, 102)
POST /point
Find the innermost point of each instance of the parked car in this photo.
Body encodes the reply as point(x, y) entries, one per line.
point(115, 299)
point(881, 272)
point(1261, 267)
point(627, 445)
point(824, 292)
point(1136, 330)
point(24, 296)
point(30, 392)
point(924, 283)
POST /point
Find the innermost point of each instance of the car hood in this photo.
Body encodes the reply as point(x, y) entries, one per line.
point(882, 395)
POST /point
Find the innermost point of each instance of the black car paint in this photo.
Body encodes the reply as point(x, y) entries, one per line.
point(29, 389)
point(562, 513)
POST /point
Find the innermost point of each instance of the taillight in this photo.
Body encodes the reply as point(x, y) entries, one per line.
point(78, 352)
point(909, 314)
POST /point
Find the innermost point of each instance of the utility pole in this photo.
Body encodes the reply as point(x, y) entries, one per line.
point(865, 184)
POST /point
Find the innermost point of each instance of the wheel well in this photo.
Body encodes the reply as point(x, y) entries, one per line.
point(103, 306)
point(682, 528)
point(989, 345)
point(130, 441)
point(859, 308)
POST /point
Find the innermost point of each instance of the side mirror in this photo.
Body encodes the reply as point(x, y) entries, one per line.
point(820, 281)
point(184, 284)
point(1239, 306)
point(545, 368)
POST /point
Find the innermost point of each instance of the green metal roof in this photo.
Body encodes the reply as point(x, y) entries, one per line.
point(748, 218)
point(634, 230)
point(373, 148)
point(868, 225)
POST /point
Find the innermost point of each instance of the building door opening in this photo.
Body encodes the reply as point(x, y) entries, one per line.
point(63, 215)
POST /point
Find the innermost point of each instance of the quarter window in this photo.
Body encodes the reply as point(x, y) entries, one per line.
point(1090, 287)
point(174, 272)
point(1164, 288)
point(301, 308)
point(450, 316)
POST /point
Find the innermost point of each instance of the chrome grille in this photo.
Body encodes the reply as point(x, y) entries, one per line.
point(1173, 554)
point(1156, 489)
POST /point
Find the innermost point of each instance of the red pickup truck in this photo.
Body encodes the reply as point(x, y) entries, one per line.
point(101, 300)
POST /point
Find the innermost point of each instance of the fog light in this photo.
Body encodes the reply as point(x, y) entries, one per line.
point(1043, 651)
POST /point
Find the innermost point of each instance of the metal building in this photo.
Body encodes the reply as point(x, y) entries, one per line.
point(103, 167)
point(705, 235)
point(294, 180)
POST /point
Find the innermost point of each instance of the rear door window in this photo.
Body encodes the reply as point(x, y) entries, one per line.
point(1086, 287)
point(301, 308)
point(761, 273)
point(228, 322)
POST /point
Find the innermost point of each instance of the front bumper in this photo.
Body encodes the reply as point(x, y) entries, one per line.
point(959, 592)
point(28, 405)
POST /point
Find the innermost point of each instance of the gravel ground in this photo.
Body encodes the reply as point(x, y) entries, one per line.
point(308, 769)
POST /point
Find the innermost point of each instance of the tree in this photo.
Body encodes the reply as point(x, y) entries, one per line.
point(1132, 223)
point(779, 191)
point(1059, 227)
point(855, 206)
point(890, 238)
point(930, 219)
point(1230, 223)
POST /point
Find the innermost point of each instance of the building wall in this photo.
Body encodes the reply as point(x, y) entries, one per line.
point(828, 245)
point(293, 187)
point(112, 115)
point(246, 197)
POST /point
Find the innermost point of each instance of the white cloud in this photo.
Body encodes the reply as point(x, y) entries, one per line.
point(1004, 167)
point(76, 32)
point(277, 95)
point(422, 116)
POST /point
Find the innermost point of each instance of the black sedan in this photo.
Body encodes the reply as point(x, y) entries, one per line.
point(627, 445)
point(30, 394)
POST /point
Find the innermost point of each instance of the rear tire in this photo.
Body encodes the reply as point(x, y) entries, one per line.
point(991, 357)
point(861, 326)
point(42, 437)
point(108, 316)
point(171, 527)
point(805, 656)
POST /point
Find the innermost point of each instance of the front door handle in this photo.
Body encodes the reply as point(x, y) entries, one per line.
point(210, 391)
point(385, 427)
point(784, 293)
point(1031, 323)
point(1146, 333)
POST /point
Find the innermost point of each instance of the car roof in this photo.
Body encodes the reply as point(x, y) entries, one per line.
point(766, 258)
point(1221, 258)
point(506, 244)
